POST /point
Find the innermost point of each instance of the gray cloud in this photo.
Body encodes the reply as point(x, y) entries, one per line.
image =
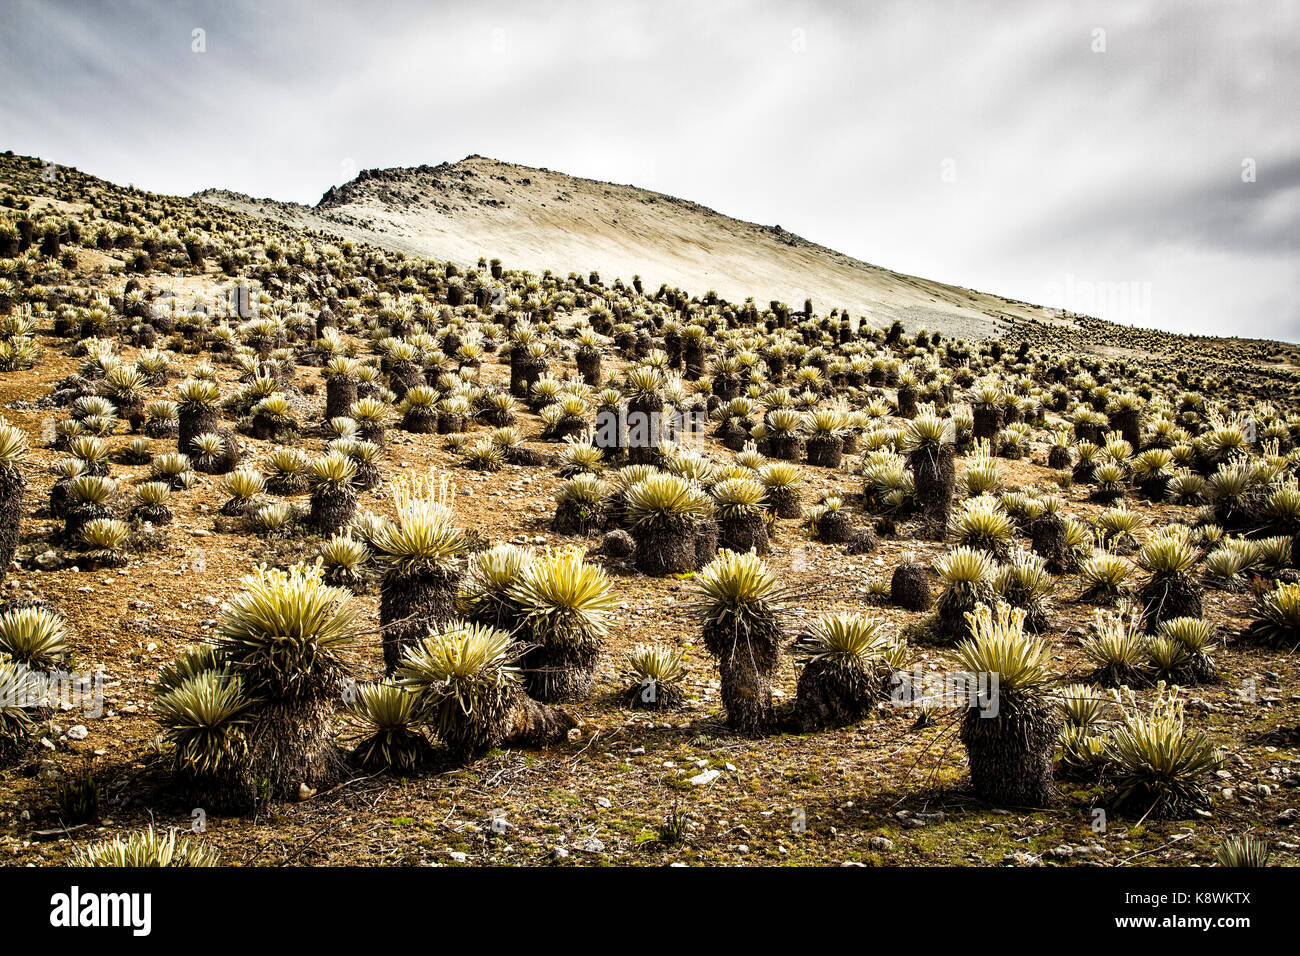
point(836, 120)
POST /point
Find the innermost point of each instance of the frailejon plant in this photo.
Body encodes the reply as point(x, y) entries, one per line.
point(1010, 738)
point(13, 455)
point(469, 690)
point(741, 604)
point(657, 677)
point(420, 551)
point(928, 441)
point(490, 577)
point(282, 635)
point(1159, 766)
point(147, 849)
point(664, 512)
point(846, 670)
point(564, 609)
point(388, 735)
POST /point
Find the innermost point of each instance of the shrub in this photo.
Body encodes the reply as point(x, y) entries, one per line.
point(564, 606)
point(741, 604)
point(147, 849)
point(1011, 744)
point(1159, 765)
point(657, 675)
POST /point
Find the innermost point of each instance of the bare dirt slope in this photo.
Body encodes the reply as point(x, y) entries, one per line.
point(537, 219)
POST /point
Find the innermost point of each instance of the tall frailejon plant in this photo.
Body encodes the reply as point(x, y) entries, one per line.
point(1010, 736)
point(928, 441)
point(197, 412)
point(740, 602)
point(742, 522)
point(469, 688)
point(564, 610)
point(333, 498)
point(13, 455)
point(421, 552)
point(282, 635)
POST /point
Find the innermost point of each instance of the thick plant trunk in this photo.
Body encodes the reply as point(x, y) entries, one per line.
point(532, 724)
point(12, 487)
point(747, 695)
point(1165, 600)
point(835, 691)
point(744, 533)
point(1048, 533)
point(411, 604)
point(706, 543)
point(292, 743)
point(553, 674)
point(825, 451)
point(331, 512)
point(1011, 754)
point(661, 551)
point(644, 420)
point(934, 477)
point(340, 396)
point(988, 421)
point(193, 422)
point(589, 367)
point(747, 657)
point(909, 588)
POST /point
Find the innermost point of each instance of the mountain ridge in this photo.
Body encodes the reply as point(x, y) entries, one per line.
point(537, 218)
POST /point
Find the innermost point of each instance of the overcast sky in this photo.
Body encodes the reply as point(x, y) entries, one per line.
point(1085, 155)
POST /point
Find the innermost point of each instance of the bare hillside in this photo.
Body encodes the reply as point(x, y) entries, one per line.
point(537, 219)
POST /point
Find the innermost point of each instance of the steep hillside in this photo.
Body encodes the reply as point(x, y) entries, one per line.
point(537, 219)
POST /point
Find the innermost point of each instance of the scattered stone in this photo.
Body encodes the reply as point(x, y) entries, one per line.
point(705, 778)
point(47, 560)
point(617, 544)
point(1021, 859)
